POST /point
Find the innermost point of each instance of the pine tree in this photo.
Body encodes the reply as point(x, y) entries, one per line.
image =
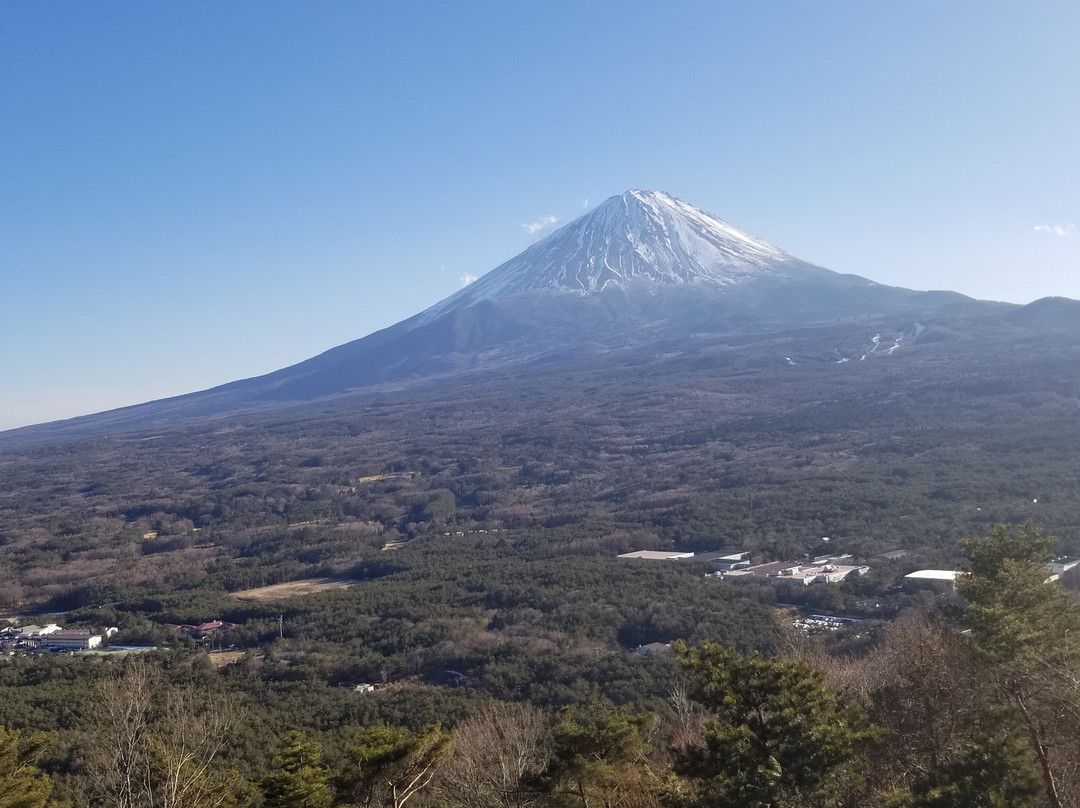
point(390, 765)
point(301, 779)
point(775, 736)
point(599, 757)
point(1027, 630)
point(992, 772)
point(22, 784)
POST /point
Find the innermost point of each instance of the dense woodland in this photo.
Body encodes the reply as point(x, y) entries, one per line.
point(481, 521)
point(928, 717)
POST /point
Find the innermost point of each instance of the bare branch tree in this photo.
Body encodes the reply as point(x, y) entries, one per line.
point(497, 753)
point(188, 741)
point(154, 745)
point(117, 751)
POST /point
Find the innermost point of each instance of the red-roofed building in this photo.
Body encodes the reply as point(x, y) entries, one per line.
point(204, 629)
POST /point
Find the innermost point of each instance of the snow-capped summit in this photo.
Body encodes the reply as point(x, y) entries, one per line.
point(640, 239)
point(640, 268)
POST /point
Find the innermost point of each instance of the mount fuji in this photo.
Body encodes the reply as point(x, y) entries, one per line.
point(643, 275)
point(642, 239)
point(640, 268)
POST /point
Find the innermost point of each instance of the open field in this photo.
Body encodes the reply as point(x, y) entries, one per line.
point(219, 659)
point(404, 475)
point(293, 589)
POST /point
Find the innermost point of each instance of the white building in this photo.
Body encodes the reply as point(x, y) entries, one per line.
point(75, 640)
point(37, 632)
point(734, 561)
point(1061, 565)
point(822, 573)
point(940, 581)
point(803, 573)
point(932, 575)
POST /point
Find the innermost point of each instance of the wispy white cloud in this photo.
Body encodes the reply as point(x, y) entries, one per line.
point(1059, 230)
point(466, 279)
point(542, 223)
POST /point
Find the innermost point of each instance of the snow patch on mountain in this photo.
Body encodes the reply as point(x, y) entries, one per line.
point(902, 337)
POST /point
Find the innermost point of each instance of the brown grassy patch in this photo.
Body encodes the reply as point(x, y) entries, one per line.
point(219, 659)
point(293, 589)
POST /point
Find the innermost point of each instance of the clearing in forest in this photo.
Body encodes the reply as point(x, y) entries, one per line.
point(292, 589)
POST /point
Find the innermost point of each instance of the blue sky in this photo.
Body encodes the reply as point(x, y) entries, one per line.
point(195, 192)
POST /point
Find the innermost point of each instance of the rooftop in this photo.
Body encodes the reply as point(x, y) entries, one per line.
point(657, 555)
point(932, 575)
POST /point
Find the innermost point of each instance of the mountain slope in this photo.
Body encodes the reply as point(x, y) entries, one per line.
point(641, 266)
point(640, 269)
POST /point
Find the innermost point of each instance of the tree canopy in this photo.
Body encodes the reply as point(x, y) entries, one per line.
point(1027, 630)
point(22, 784)
point(773, 734)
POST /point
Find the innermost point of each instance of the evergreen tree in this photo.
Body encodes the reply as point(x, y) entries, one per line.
point(22, 784)
point(1027, 629)
point(599, 757)
point(774, 736)
point(992, 772)
point(301, 779)
point(390, 765)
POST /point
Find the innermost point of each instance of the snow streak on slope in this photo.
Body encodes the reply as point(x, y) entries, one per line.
point(639, 239)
